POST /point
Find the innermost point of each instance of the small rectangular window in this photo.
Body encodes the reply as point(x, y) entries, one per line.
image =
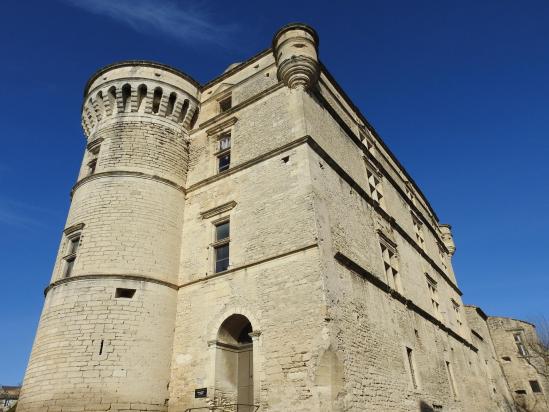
point(225, 104)
point(92, 162)
point(536, 388)
point(411, 366)
point(223, 162)
point(124, 293)
point(432, 286)
point(221, 246)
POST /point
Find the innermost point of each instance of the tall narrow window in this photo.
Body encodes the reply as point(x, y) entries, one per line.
point(376, 190)
point(171, 104)
point(410, 193)
point(157, 97)
point(225, 104)
point(451, 379)
point(72, 248)
point(112, 100)
point(223, 153)
point(418, 231)
point(126, 97)
point(411, 367)
point(457, 311)
point(390, 265)
point(221, 246)
point(520, 344)
point(141, 95)
point(432, 286)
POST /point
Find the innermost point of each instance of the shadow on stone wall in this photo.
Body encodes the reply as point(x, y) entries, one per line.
point(425, 407)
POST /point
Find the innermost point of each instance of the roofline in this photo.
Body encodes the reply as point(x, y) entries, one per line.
point(296, 26)
point(373, 130)
point(145, 63)
point(516, 320)
point(236, 68)
point(481, 313)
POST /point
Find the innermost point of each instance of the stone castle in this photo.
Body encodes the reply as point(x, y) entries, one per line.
point(251, 244)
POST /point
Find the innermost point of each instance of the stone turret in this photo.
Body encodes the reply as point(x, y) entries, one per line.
point(447, 238)
point(296, 50)
point(106, 330)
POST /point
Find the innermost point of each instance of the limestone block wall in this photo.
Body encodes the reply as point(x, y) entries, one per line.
point(520, 368)
point(94, 351)
point(118, 261)
point(491, 381)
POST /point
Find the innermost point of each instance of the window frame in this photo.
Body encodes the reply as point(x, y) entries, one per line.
point(223, 152)
point(521, 347)
point(418, 231)
point(73, 242)
point(375, 185)
point(217, 244)
point(221, 101)
point(391, 267)
point(432, 286)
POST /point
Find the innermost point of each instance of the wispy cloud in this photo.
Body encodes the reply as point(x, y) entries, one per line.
point(23, 215)
point(179, 19)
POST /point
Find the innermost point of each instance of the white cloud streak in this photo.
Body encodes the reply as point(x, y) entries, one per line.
point(180, 20)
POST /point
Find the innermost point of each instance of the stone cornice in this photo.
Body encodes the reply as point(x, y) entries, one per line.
point(363, 273)
point(249, 265)
point(221, 126)
point(218, 210)
point(138, 278)
point(124, 173)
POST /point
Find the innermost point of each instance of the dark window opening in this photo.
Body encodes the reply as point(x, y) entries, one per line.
point(221, 250)
point(171, 104)
point(69, 264)
point(536, 388)
point(157, 96)
point(520, 392)
point(285, 159)
point(411, 365)
point(126, 95)
point(141, 94)
point(506, 358)
point(112, 99)
point(124, 293)
point(223, 162)
point(225, 104)
point(101, 347)
point(183, 112)
point(91, 167)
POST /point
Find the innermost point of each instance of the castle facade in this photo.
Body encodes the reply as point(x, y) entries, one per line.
point(252, 244)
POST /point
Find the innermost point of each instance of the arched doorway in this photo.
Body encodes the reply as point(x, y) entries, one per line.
point(234, 363)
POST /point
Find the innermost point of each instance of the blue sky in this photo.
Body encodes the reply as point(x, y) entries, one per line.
point(458, 90)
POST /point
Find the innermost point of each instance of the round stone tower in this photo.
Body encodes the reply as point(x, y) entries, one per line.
point(106, 330)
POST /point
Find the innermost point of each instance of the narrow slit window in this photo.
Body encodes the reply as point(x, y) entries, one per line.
point(101, 346)
point(451, 379)
point(141, 95)
point(221, 246)
point(410, 359)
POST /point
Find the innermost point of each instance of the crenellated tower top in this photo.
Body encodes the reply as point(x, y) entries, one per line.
point(139, 88)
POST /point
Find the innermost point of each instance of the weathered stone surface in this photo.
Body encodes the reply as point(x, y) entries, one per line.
point(339, 293)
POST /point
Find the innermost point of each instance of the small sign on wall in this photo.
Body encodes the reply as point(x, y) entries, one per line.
point(201, 392)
